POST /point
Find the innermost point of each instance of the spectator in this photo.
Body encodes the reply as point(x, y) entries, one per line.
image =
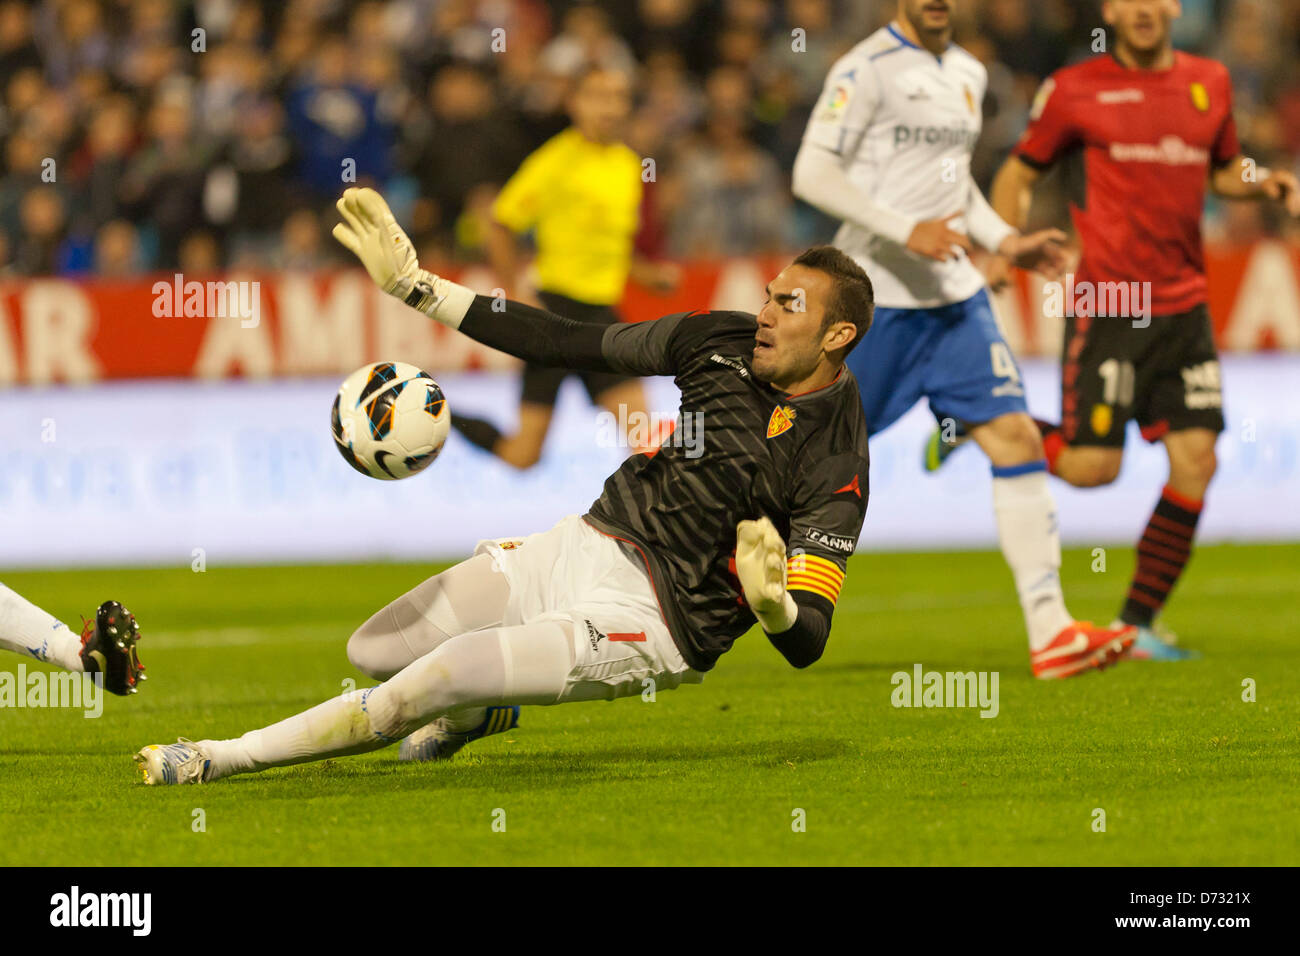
point(467, 143)
point(336, 123)
point(117, 250)
point(163, 182)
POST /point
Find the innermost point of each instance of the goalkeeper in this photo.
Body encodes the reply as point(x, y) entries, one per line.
point(677, 558)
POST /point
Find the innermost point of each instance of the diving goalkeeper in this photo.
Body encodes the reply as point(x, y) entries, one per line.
point(677, 558)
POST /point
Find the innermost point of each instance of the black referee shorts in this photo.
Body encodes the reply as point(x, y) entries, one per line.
point(542, 382)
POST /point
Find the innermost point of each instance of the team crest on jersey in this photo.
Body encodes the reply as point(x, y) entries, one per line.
point(1200, 97)
point(970, 99)
point(781, 421)
point(1102, 416)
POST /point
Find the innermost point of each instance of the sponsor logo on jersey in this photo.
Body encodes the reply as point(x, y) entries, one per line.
point(782, 421)
point(1110, 97)
point(1200, 97)
point(1102, 417)
point(1171, 150)
point(835, 542)
point(962, 136)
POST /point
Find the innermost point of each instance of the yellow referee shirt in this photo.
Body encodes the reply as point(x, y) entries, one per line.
point(583, 200)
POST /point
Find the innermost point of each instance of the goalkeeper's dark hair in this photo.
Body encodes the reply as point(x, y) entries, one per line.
point(852, 297)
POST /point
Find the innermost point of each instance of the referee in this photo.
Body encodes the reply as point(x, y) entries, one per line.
point(580, 195)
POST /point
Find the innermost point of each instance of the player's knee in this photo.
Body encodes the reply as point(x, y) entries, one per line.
point(1011, 440)
point(1024, 437)
point(366, 650)
point(1195, 467)
point(449, 677)
point(1092, 470)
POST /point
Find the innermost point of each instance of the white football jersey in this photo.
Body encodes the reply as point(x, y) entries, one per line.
point(903, 122)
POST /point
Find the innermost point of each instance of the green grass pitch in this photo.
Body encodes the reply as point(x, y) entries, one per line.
point(1184, 769)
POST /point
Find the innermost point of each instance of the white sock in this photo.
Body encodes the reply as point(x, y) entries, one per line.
point(526, 664)
point(464, 719)
point(27, 630)
point(340, 726)
point(1031, 544)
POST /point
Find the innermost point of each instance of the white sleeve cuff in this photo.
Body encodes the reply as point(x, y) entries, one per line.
point(440, 299)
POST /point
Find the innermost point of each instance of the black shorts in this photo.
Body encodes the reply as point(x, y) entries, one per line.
point(542, 382)
point(1165, 375)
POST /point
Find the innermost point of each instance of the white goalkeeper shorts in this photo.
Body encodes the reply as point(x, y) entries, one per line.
point(577, 574)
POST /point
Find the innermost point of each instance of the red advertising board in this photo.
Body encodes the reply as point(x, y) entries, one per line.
point(294, 324)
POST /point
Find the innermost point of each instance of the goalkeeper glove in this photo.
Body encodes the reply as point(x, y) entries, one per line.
point(371, 233)
point(760, 565)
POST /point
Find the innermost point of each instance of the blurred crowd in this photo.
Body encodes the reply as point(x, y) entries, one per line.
point(208, 134)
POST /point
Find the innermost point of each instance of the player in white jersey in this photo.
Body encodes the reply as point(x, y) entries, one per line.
point(887, 151)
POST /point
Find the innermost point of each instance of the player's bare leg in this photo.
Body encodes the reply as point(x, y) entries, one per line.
point(1191, 466)
point(1087, 467)
point(1027, 531)
point(1166, 543)
point(1192, 461)
point(523, 447)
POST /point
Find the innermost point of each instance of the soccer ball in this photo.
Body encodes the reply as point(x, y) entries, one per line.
point(390, 420)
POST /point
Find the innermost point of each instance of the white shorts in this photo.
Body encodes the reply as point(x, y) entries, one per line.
point(575, 573)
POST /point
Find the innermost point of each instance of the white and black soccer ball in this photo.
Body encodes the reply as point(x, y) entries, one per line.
point(390, 420)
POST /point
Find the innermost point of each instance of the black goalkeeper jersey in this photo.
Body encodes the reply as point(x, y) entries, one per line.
point(800, 460)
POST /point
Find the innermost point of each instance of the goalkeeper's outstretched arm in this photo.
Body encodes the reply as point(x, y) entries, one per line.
point(371, 233)
point(797, 629)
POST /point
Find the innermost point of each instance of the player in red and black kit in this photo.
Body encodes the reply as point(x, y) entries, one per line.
point(1152, 126)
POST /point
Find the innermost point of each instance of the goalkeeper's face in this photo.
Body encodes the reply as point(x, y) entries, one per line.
point(792, 340)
